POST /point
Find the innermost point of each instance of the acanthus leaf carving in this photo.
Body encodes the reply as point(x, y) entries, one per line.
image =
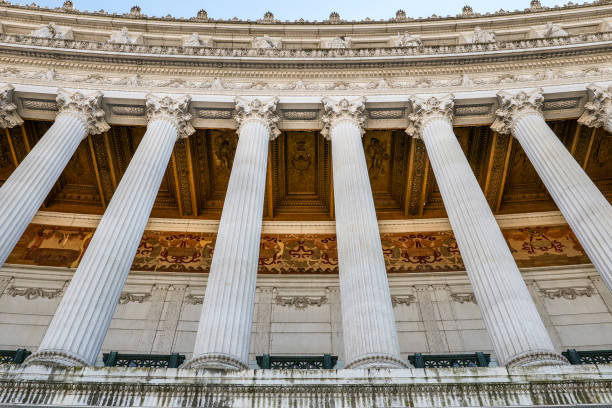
point(598, 110)
point(424, 110)
point(176, 110)
point(263, 111)
point(300, 302)
point(87, 108)
point(513, 106)
point(9, 117)
point(337, 110)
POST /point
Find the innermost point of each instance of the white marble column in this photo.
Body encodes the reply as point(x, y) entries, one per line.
point(25, 190)
point(368, 322)
point(224, 332)
point(79, 326)
point(598, 110)
point(584, 207)
point(514, 326)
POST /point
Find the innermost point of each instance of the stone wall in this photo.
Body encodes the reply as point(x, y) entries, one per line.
point(300, 315)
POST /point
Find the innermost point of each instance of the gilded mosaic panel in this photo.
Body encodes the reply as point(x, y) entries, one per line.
point(291, 253)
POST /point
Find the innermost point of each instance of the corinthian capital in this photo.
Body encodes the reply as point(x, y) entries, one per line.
point(87, 108)
point(337, 110)
point(263, 111)
point(8, 110)
point(175, 110)
point(598, 110)
point(513, 106)
point(424, 110)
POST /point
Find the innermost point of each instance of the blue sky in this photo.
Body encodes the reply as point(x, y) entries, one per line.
point(292, 9)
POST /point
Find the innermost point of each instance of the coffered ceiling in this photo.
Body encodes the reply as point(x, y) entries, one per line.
point(300, 180)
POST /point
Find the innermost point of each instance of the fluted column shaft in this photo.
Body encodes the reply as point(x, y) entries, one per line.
point(25, 190)
point(510, 315)
point(81, 321)
point(582, 204)
point(224, 331)
point(368, 321)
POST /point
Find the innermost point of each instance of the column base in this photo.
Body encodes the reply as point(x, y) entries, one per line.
point(216, 361)
point(377, 361)
point(537, 358)
point(55, 358)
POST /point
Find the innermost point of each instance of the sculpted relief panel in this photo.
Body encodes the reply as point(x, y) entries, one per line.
point(293, 253)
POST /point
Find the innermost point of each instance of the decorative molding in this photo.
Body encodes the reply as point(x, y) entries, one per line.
point(463, 298)
point(300, 114)
point(9, 117)
point(473, 110)
point(598, 110)
point(216, 113)
point(424, 110)
point(403, 300)
point(31, 293)
point(87, 108)
point(513, 106)
point(176, 110)
point(386, 113)
point(128, 110)
point(39, 104)
point(263, 111)
point(337, 110)
point(561, 104)
point(192, 299)
point(300, 302)
point(567, 293)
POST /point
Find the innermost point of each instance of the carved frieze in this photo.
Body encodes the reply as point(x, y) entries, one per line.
point(53, 31)
point(480, 36)
point(463, 297)
point(406, 300)
point(9, 117)
point(134, 297)
point(213, 113)
point(31, 293)
point(300, 302)
point(567, 293)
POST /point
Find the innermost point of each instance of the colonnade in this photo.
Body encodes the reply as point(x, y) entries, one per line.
point(79, 326)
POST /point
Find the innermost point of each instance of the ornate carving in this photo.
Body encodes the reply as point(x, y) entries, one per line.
point(36, 293)
point(300, 114)
point(129, 297)
point(343, 109)
point(553, 31)
point(262, 111)
point(192, 41)
point(51, 31)
point(598, 110)
point(266, 42)
point(8, 110)
point(463, 297)
point(125, 37)
point(300, 302)
point(567, 293)
point(192, 299)
point(423, 110)
point(175, 110)
point(403, 300)
point(39, 104)
point(338, 43)
point(87, 108)
point(202, 15)
point(128, 110)
point(407, 40)
point(481, 36)
point(513, 106)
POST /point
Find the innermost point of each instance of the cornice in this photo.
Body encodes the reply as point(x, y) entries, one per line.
point(535, 11)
